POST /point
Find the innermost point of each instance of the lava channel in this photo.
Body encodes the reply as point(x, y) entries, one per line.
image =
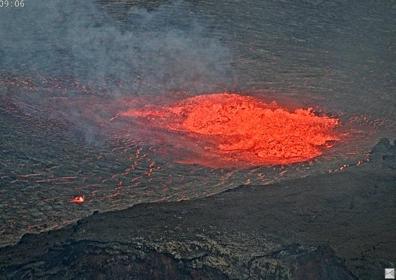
point(243, 129)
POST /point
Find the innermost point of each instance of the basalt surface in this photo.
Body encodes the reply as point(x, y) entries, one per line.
point(332, 226)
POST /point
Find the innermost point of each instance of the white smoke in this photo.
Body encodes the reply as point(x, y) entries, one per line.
point(147, 53)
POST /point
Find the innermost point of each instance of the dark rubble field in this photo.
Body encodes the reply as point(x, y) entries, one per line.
point(332, 226)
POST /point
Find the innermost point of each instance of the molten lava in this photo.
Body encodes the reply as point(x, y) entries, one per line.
point(78, 199)
point(245, 129)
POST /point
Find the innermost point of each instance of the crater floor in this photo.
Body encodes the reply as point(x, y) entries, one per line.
point(331, 226)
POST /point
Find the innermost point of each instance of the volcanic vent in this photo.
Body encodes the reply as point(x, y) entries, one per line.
point(242, 129)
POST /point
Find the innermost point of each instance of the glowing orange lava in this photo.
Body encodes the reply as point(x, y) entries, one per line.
point(246, 129)
point(78, 199)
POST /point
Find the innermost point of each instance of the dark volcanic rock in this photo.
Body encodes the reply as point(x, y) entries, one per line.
point(384, 152)
point(93, 260)
point(330, 226)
